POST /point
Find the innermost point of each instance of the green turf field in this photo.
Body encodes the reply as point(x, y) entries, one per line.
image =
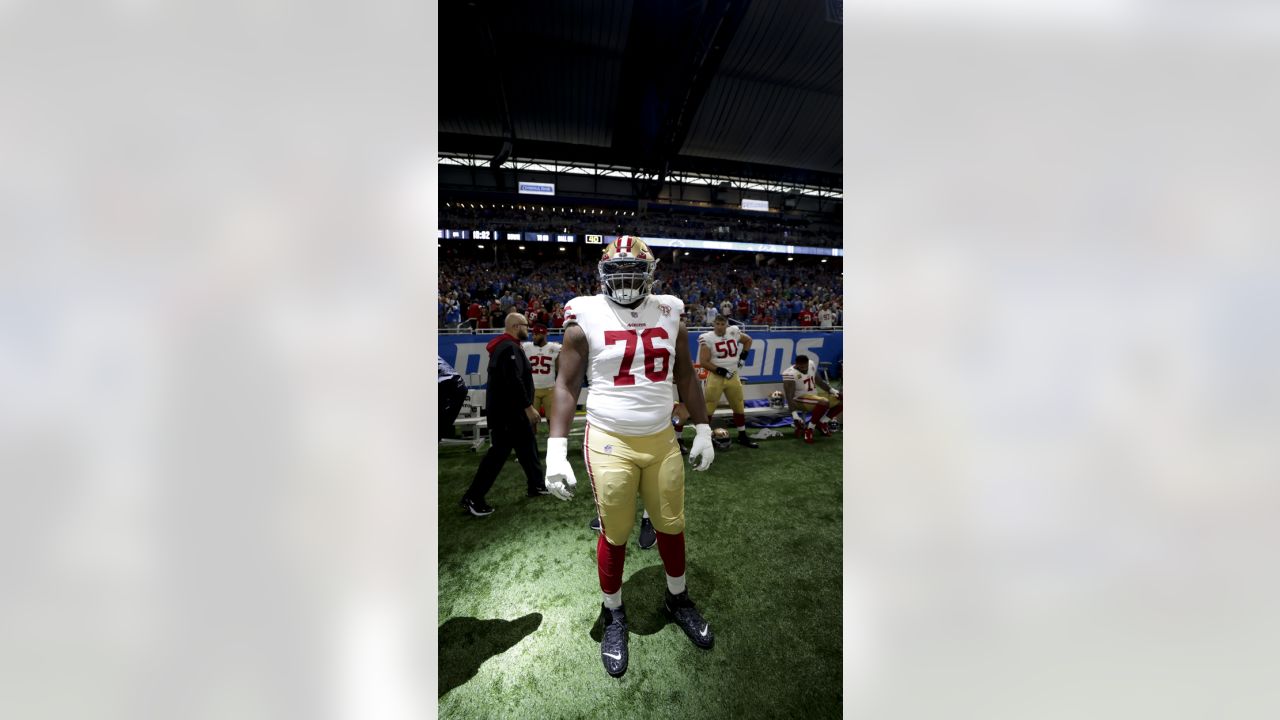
point(519, 595)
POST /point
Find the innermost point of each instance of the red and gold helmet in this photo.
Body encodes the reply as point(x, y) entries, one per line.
point(626, 269)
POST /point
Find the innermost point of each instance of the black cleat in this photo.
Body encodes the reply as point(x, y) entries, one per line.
point(680, 609)
point(744, 440)
point(538, 491)
point(648, 536)
point(613, 646)
point(479, 509)
point(595, 523)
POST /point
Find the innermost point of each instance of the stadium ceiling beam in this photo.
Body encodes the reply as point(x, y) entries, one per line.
point(592, 154)
point(674, 48)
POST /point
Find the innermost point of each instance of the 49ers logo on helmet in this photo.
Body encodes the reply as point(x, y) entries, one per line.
point(626, 269)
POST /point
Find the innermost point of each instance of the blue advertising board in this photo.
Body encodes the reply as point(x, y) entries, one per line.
point(771, 353)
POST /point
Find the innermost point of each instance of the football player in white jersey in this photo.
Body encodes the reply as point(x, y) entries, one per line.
point(544, 357)
point(634, 346)
point(721, 352)
point(800, 385)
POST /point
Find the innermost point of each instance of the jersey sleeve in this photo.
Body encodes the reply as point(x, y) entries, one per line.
point(790, 374)
point(705, 339)
point(677, 305)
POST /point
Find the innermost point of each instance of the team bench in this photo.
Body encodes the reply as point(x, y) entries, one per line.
point(476, 424)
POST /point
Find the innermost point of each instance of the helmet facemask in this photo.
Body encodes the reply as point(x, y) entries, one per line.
point(627, 280)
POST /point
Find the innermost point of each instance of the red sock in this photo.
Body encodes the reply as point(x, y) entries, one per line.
point(817, 414)
point(609, 559)
point(671, 548)
point(740, 421)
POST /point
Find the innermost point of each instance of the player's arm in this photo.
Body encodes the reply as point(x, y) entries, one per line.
point(687, 381)
point(789, 390)
point(560, 480)
point(744, 344)
point(570, 369)
point(691, 395)
point(704, 356)
point(822, 383)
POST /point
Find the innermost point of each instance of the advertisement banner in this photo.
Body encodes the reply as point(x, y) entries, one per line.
point(537, 188)
point(771, 353)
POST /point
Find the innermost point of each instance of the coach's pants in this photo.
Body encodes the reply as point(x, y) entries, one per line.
point(503, 439)
point(620, 466)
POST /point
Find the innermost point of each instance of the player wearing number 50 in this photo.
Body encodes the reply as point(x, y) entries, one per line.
point(721, 352)
point(634, 347)
point(544, 359)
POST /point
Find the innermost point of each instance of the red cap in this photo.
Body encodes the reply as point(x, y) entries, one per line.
point(540, 328)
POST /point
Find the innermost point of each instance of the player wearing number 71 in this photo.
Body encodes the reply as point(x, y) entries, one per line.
point(634, 347)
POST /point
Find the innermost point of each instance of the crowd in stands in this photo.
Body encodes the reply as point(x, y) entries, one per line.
point(767, 228)
point(480, 294)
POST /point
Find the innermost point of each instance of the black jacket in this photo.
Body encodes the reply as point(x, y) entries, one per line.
point(510, 388)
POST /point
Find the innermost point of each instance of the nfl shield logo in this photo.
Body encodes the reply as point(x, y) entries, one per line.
point(666, 309)
point(635, 314)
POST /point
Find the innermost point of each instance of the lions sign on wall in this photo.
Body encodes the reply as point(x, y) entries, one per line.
point(771, 353)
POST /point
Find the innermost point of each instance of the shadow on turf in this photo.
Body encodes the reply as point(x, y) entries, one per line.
point(643, 594)
point(465, 643)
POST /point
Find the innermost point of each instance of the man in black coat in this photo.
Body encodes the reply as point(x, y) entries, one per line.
point(512, 419)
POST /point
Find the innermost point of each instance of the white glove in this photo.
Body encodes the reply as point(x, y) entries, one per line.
point(560, 480)
point(797, 417)
point(702, 447)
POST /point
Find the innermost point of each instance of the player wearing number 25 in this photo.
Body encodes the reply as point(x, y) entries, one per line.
point(635, 348)
point(544, 358)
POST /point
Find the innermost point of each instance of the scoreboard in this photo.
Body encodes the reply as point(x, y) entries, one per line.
point(687, 244)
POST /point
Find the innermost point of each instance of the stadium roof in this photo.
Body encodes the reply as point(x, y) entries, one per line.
point(743, 88)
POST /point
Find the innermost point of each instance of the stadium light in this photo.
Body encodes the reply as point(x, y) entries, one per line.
point(521, 247)
point(563, 249)
point(686, 252)
point(790, 259)
point(824, 259)
point(482, 247)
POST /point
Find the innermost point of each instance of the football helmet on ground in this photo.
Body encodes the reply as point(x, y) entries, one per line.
point(720, 439)
point(777, 399)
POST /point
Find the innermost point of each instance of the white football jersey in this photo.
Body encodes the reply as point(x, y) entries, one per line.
point(543, 360)
point(805, 381)
point(632, 353)
point(725, 350)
